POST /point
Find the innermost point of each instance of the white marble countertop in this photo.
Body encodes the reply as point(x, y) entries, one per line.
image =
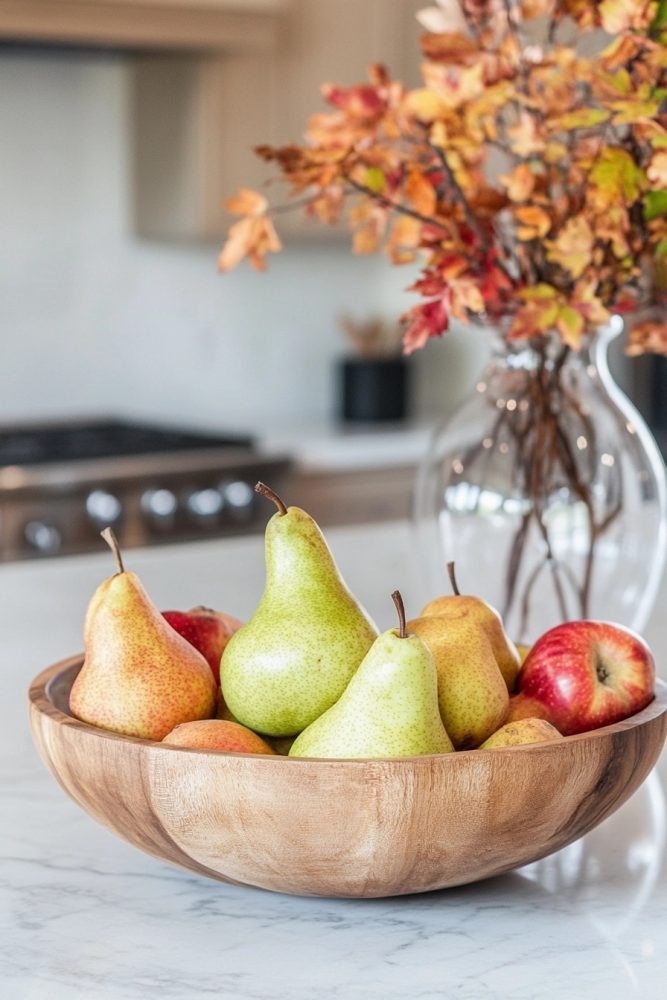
point(87, 917)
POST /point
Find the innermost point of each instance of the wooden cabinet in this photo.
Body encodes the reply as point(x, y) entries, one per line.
point(203, 25)
point(211, 79)
point(355, 496)
point(222, 107)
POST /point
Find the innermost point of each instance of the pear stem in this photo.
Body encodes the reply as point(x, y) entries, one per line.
point(266, 491)
point(452, 578)
point(400, 608)
point(112, 542)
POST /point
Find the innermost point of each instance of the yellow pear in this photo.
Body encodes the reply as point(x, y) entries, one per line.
point(472, 695)
point(523, 650)
point(139, 676)
point(515, 734)
point(461, 606)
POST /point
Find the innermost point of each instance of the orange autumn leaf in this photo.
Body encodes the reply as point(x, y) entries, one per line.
point(465, 297)
point(368, 235)
point(420, 193)
point(451, 47)
point(424, 104)
point(613, 226)
point(454, 86)
point(527, 177)
point(524, 137)
point(247, 202)
point(252, 237)
point(328, 205)
point(622, 15)
point(586, 301)
point(533, 319)
point(520, 183)
point(573, 246)
point(648, 337)
point(534, 222)
point(403, 240)
point(657, 170)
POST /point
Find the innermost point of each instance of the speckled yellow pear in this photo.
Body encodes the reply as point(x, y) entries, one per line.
point(308, 635)
point(458, 606)
point(389, 708)
point(472, 693)
point(514, 734)
point(139, 676)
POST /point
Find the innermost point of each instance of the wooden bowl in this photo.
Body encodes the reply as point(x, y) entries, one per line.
point(344, 827)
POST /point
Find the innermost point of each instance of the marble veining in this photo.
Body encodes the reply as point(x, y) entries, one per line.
point(85, 916)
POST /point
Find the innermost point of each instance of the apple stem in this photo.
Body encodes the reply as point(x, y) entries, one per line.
point(400, 608)
point(266, 491)
point(452, 579)
point(112, 542)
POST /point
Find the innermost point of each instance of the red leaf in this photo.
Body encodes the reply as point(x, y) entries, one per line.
point(430, 319)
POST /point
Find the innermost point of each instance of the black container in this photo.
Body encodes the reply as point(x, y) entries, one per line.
point(373, 389)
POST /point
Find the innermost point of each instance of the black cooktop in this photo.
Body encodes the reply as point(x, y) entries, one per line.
point(71, 442)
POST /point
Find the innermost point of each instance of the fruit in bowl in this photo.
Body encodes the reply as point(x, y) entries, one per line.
point(139, 677)
point(585, 674)
point(207, 630)
point(308, 635)
point(376, 797)
point(350, 828)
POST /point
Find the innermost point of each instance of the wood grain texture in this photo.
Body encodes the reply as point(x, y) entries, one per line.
point(156, 24)
point(344, 828)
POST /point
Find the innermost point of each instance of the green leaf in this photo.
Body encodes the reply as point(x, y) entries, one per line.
point(570, 325)
point(617, 174)
point(655, 204)
point(539, 291)
point(582, 118)
point(375, 180)
point(660, 19)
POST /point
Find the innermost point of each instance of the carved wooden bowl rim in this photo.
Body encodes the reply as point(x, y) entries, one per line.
point(41, 691)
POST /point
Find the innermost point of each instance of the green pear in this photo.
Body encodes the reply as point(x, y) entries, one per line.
point(389, 708)
point(308, 635)
point(457, 606)
point(139, 676)
point(472, 693)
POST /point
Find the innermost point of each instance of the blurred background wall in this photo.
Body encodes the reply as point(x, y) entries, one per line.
point(94, 319)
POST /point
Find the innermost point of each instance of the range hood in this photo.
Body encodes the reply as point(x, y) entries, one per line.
point(205, 25)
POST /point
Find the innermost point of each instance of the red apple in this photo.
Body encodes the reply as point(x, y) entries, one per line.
point(207, 630)
point(582, 675)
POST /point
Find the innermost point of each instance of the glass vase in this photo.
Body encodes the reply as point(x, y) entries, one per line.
point(548, 491)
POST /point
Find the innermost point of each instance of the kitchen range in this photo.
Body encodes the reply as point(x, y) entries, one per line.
point(61, 483)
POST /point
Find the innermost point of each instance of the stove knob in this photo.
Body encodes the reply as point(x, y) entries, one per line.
point(239, 498)
point(159, 506)
point(204, 505)
point(103, 509)
point(42, 536)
